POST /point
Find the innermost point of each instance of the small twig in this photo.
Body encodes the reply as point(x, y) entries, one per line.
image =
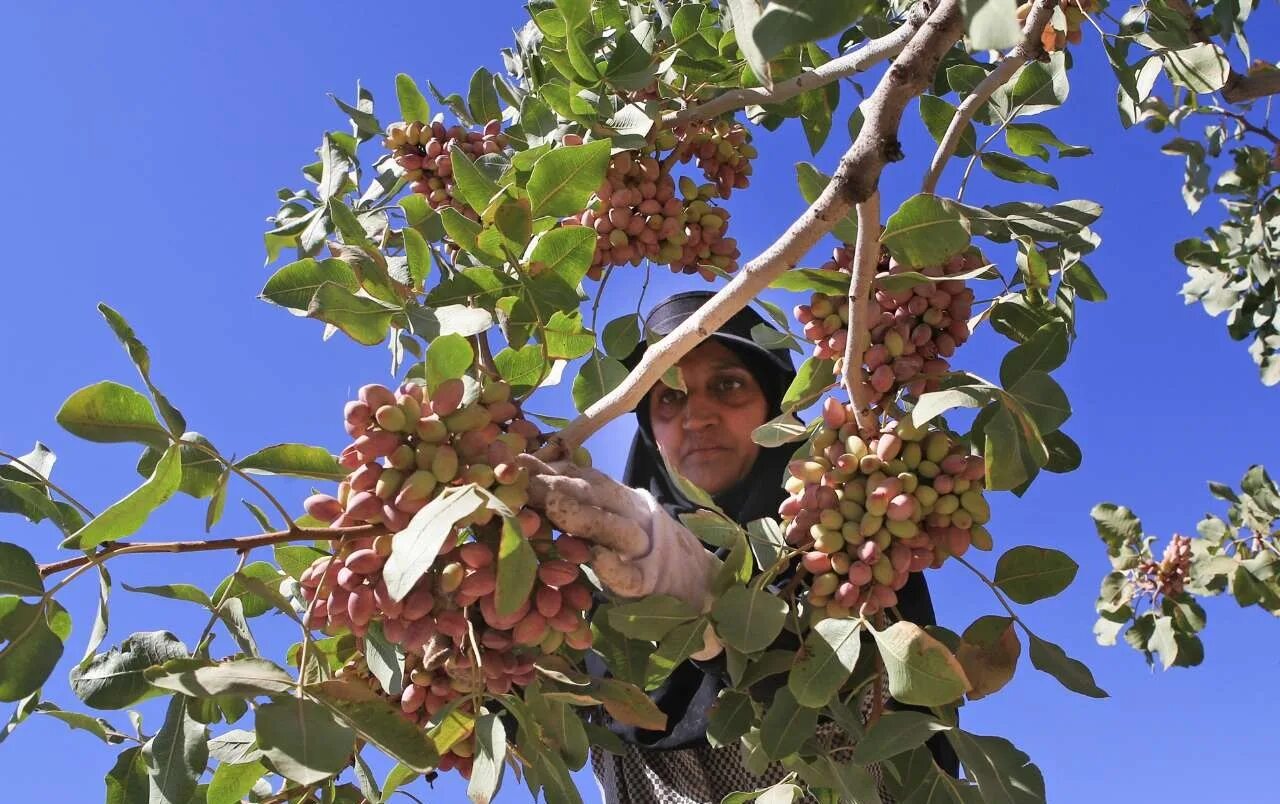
point(1250, 126)
point(877, 701)
point(870, 54)
point(484, 354)
point(866, 257)
point(994, 590)
point(47, 482)
point(222, 598)
point(235, 543)
point(1025, 50)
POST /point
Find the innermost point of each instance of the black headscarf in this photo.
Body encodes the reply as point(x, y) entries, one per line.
point(758, 494)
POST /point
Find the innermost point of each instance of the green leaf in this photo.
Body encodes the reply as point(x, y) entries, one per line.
point(627, 703)
point(566, 337)
point(621, 336)
point(566, 252)
point(243, 678)
point(564, 179)
point(142, 360)
point(294, 460)
point(79, 721)
point(812, 182)
point(937, 114)
point(111, 413)
point(1201, 68)
point(1004, 774)
point(796, 22)
point(292, 286)
point(1013, 452)
point(19, 573)
point(200, 469)
point(115, 680)
point(416, 547)
point(925, 231)
point(235, 747)
point(413, 105)
point(991, 24)
point(1044, 351)
point(813, 378)
point(826, 661)
point(935, 403)
point(745, 15)
point(474, 187)
point(675, 648)
point(1072, 674)
point(175, 591)
point(1038, 87)
point(1027, 574)
point(786, 725)
point(920, 669)
point(491, 751)
point(127, 781)
point(731, 717)
point(785, 429)
point(255, 605)
point(651, 618)
point(376, 721)
point(175, 757)
point(232, 782)
point(894, 733)
point(1011, 169)
point(364, 320)
point(33, 635)
point(301, 739)
point(385, 660)
point(126, 516)
point(482, 98)
point(597, 376)
point(1043, 400)
point(524, 368)
point(1030, 139)
point(517, 568)
point(749, 619)
point(804, 280)
point(448, 357)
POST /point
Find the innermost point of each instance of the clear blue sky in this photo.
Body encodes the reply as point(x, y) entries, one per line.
point(147, 147)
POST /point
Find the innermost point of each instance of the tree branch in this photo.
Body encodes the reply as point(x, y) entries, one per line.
point(854, 181)
point(1242, 88)
point(866, 256)
point(236, 543)
point(1023, 52)
point(865, 57)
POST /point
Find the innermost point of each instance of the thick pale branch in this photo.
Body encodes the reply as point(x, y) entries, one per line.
point(865, 57)
point(1241, 88)
point(236, 543)
point(1024, 51)
point(866, 256)
point(855, 180)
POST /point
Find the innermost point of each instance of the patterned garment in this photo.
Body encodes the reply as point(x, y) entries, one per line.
point(700, 774)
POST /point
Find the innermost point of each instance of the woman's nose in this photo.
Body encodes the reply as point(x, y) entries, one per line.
point(699, 412)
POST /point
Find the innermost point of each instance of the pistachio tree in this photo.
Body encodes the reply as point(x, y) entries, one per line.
point(443, 623)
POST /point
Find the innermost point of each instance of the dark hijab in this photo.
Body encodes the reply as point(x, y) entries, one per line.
point(757, 495)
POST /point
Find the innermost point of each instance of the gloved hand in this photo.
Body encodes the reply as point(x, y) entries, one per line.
point(640, 550)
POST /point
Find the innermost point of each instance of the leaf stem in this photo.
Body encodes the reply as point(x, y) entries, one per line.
point(284, 512)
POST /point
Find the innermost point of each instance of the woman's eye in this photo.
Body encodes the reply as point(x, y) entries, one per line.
point(670, 397)
point(730, 384)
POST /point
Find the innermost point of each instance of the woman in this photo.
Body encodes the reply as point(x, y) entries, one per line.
point(704, 433)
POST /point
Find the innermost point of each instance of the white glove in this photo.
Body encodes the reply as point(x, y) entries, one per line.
point(640, 550)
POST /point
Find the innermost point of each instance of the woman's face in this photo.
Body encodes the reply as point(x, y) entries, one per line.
point(705, 433)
